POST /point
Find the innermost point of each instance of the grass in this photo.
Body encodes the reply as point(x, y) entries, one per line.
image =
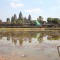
point(28, 29)
point(21, 29)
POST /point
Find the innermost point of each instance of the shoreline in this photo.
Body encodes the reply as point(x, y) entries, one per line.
point(22, 29)
point(28, 29)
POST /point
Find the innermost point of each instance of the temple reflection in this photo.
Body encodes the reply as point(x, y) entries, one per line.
point(27, 36)
point(58, 48)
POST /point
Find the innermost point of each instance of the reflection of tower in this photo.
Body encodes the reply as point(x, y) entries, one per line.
point(29, 39)
point(8, 38)
point(21, 42)
point(1, 36)
point(58, 50)
point(40, 39)
point(14, 40)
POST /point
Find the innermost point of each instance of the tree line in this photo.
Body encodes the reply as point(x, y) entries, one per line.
point(28, 22)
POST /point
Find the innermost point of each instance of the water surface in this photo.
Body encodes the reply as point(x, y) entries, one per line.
point(29, 45)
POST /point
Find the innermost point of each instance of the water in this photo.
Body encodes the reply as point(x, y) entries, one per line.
point(29, 45)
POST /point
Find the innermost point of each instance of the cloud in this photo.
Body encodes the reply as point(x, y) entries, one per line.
point(15, 5)
point(34, 10)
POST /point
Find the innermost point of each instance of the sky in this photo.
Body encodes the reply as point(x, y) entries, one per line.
point(36, 8)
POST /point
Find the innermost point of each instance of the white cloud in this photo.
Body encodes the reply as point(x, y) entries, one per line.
point(34, 10)
point(15, 5)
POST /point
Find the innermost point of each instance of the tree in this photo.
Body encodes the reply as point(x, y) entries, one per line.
point(40, 19)
point(33, 22)
point(58, 21)
point(49, 20)
point(29, 17)
point(55, 20)
point(20, 16)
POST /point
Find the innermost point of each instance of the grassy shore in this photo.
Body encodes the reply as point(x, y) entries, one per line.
point(28, 29)
point(22, 29)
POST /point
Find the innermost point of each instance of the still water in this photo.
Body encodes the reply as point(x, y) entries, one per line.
point(29, 45)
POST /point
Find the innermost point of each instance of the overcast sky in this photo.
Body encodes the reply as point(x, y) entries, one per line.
point(44, 8)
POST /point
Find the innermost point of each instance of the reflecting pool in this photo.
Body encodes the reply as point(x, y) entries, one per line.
point(30, 45)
